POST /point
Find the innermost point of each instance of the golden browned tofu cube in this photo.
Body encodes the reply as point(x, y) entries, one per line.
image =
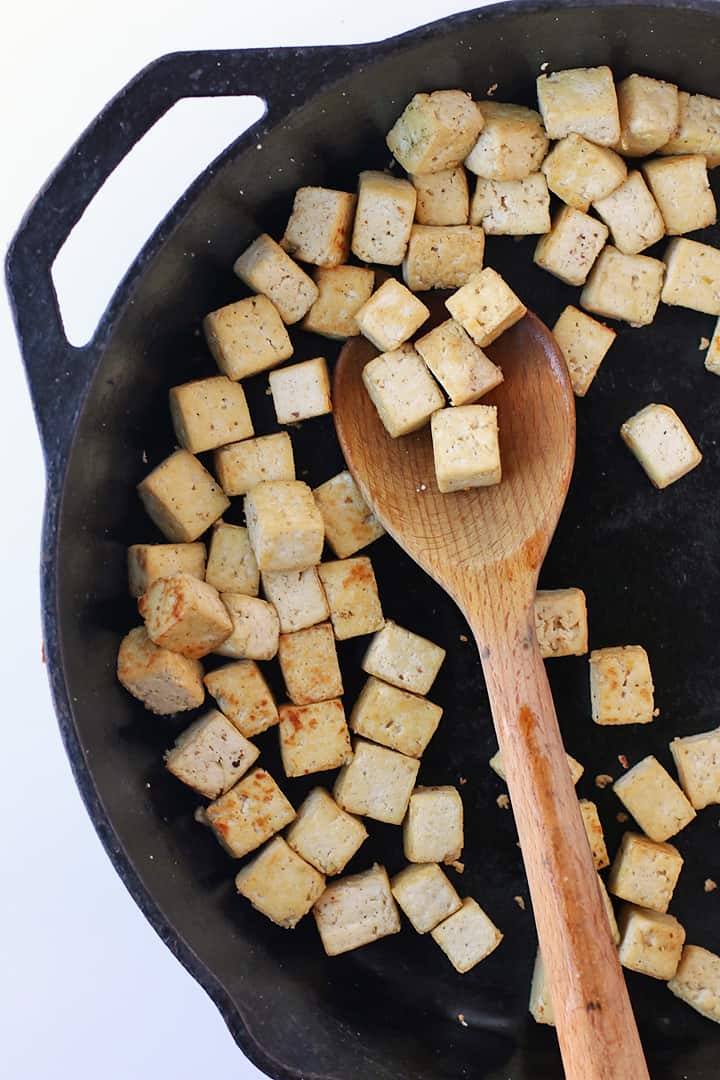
point(579, 171)
point(649, 114)
point(697, 981)
point(624, 287)
point(661, 443)
point(231, 565)
point(249, 814)
point(376, 783)
point(279, 884)
point(433, 826)
point(301, 391)
point(468, 936)
point(436, 131)
point(298, 597)
point(148, 562)
point(485, 307)
point(561, 622)
point(653, 798)
point(512, 207)
point(391, 315)
point(443, 256)
point(342, 291)
point(697, 760)
point(645, 873)
point(395, 718)
point(402, 390)
point(692, 276)
point(243, 695)
point(443, 197)
point(182, 498)
point(349, 522)
point(403, 659)
point(581, 100)
point(267, 269)
point(595, 834)
point(621, 686)
point(511, 145)
point(383, 218)
point(355, 911)
point(211, 755)
point(324, 835)
point(352, 596)
point(320, 226)
point(466, 449)
point(242, 466)
point(459, 365)
point(698, 128)
point(313, 738)
point(185, 615)
point(632, 215)
point(208, 413)
point(164, 681)
point(650, 942)
point(584, 343)
point(286, 528)
point(255, 628)
point(425, 895)
point(246, 337)
point(681, 189)
point(571, 247)
point(309, 664)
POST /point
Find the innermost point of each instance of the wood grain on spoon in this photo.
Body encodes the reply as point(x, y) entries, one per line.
point(485, 548)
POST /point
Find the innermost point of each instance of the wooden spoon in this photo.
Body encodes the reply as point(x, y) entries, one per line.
point(485, 548)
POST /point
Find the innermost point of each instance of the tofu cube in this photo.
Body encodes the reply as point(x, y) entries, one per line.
point(185, 615)
point(309, 664)
point(595, 834)
point(580, 100)
point(426, 896)
point(402, 390)
point(298, 598)
point(697, 760)
point(324, 835)
point(208, 413)
point(342, 292)
point(645, 873)
point(540, 1005)
point(436, 131)
point(376, 783)
point(692, 276)
point(352, 595)
point(466, 449)
point(285, 526)
point(243, 696)
point(697, 981)
point(443, 256)
point(650, 942)
point(313, 738)
point(403, 659)
point(624, 287)
point(246, 337)
point(320, 225)
point(712, 356)
point(383, 218)
point(395, 718)
point(698, 128)
point(433, 826)
point(662, 444)
point(255, 628)
point(649, 114)
point(355, 911)
point(632, 215)
point(164, 681)
point(512, 207)
point(511, 145)
point(467, 937)
point(211, 755)
point(486, 307)
point(609, 911)
point(301, 391)
point(649, 793)
point(497, 764)
point(231, 565)
point(571, 247)
point(584, 343)
point(267, 269)
point(349, 522)
point(242, 466)
point(280, 885)
point(459, 365)
point(443, 198)
point(561, 622)
point(681, 189)
point(621, 686)
point(182, 497)
point(579, 172)
point(148, 562)
point(391, 315)
point(249, 814)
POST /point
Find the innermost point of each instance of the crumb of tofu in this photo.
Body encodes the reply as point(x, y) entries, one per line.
point(623, 761)
point(461, 1018)
point(710, 885)
point(704, 344)
point(503, 801)
point(622, 817)
point(520, 901)
point(462, 780)
point(602, 780)
point(463, 638)
point(458, 867)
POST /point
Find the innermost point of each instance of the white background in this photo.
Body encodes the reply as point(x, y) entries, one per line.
point(86, 988)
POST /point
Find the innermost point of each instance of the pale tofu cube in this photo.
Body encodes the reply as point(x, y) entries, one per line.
point(244, 465)
point(267, 269)
point(595, 834)
point(280, 885)
point(649, 114)
point(249, 814)
point(298, 597)
point(185, 615)
point(324, 835)
point(540, 1005)
point(426, 896)
point(485, 307)
point(624, 287)
point(313, 738)
point(164, 681)
point(403, 659)
point(579, 171)
point(561, 622)
point(301, 391)
point(391, 315)
point(355, 911)
point(208, 413)
point(466, 449)
point(255, 628)
point(320, 225)
point(395, 718)
point(285, 526)
point(376, 783)
point(246, 337)
point(650, 942)
point(662, 444)
point(459, 365)
point(697, 760)
point(632, 215)
point(697, 981)
point(433, 827)
point(609, 911)
point(467, 936)
point(584, 343)
point(649, 793)
point(698, 128)
point(692, 276)
point(309, 664)
point(231, 565)
point(645, 873)
point(681, 189)
point(349, 522)
point(182, 498)
point(383, 218)
point(436, 131)
point(571, 247)
point(511, 145)
point(443, 256)
point(402, 390)
point(712, 356)
point(211, 755)
point(148, 562)
point(580, 100)
point(512, 207)
point(443, 198)
point(342, 292)
point(497, 764)
point(352, 595)
point(621, 686)
point(244, 696)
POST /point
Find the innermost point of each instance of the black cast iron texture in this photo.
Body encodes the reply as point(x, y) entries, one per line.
point(647, 560)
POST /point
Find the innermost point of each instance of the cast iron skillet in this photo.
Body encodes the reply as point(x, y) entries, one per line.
point(648, 560)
